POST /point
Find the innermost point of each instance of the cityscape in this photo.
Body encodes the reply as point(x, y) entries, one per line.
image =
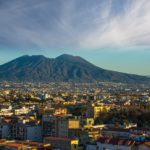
point(74, 75)
point(74, 116)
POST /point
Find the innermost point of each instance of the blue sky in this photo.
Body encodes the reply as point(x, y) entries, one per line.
point(113, 34)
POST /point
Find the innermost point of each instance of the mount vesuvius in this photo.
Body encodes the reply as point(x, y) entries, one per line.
point(65, 68)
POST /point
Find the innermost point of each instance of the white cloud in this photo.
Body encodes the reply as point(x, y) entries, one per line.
point(81, 25)
point(128, 29)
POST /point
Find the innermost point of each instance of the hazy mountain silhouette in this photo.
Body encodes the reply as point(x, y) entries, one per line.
point(38, 68)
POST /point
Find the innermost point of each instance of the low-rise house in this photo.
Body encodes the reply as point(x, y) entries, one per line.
point(23, 145)
point(6, 110)
point(26, 132)
point(105, 143)
point(115, 132)
point(62, 143)
point(94, 111)
point(20, 111)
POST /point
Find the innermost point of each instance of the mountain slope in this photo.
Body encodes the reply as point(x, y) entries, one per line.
point(63, 68)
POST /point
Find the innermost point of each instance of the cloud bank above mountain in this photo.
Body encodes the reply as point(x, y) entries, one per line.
point(75, 24)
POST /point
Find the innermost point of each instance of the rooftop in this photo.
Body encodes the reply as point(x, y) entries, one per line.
point(116, 141)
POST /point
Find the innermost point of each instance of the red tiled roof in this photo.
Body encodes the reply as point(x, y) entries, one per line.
point(58, 138)
point(16, 145)
point(116, 141)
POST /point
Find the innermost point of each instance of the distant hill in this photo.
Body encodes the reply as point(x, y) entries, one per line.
point(67, 68)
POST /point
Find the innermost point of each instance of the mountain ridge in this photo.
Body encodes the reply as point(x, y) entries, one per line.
point(65, 68)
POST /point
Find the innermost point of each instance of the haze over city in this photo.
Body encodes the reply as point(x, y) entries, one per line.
point(112, 34)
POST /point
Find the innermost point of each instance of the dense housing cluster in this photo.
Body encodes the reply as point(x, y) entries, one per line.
point(71, 116)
